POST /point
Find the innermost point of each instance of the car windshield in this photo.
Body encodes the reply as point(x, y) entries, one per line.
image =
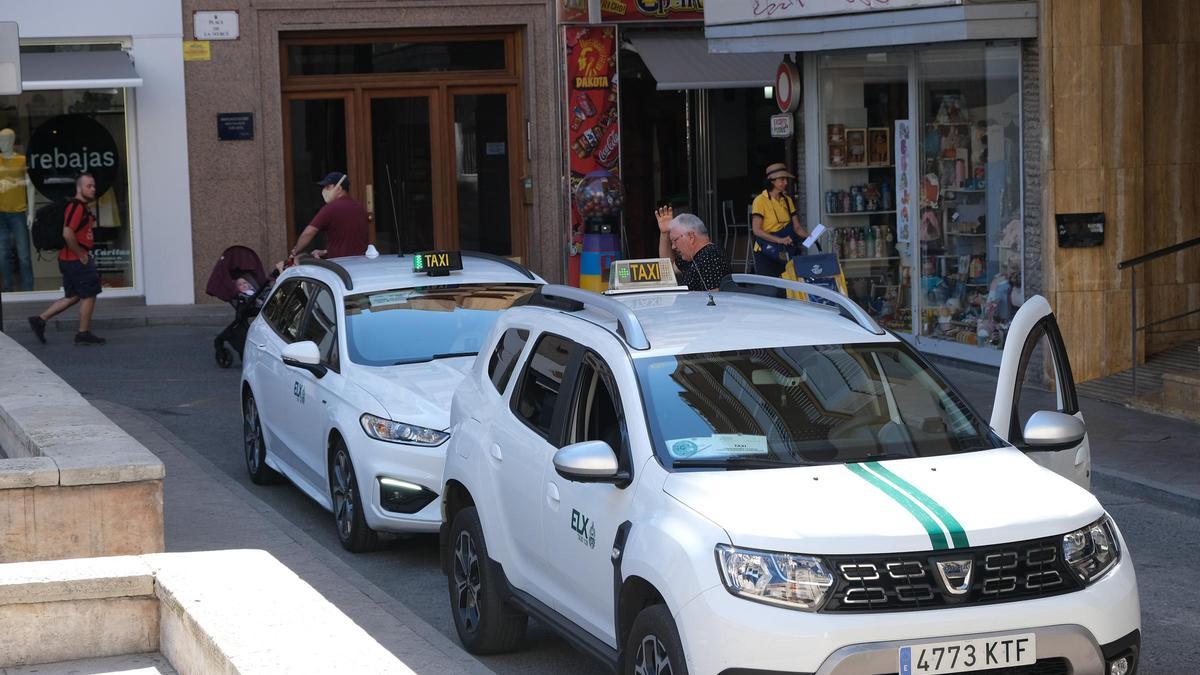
point(412, 325)
point(788, 406)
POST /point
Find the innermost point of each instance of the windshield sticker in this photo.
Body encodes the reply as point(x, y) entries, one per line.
point(718, 445)
point(384, 299)
point(584, 529)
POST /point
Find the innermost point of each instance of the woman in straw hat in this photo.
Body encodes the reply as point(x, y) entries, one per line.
point(776, 225)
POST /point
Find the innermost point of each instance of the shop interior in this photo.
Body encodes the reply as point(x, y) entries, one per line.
point(702, 149)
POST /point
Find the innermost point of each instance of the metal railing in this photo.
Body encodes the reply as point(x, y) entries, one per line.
point(1132, 265)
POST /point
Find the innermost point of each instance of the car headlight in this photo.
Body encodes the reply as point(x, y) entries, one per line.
point(383, 429)
point(1093, 550)
point(786, 579)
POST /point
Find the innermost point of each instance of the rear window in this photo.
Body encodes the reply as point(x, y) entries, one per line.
point(421, 324)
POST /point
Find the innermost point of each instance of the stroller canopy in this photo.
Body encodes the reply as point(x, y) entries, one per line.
point(235, 261)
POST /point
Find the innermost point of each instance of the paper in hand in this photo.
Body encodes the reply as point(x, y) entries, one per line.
point(812, 237)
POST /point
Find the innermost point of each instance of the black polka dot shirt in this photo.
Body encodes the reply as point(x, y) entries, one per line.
point(705, 270)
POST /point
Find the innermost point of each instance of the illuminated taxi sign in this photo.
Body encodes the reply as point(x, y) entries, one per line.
point(641, 275)
point(437, 263)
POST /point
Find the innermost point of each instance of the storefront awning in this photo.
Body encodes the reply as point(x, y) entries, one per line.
point(77, 70)
point(894, 27)
point(680, 60)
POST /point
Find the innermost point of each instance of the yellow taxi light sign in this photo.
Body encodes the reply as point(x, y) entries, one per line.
point(437, 263)
point(644, 274)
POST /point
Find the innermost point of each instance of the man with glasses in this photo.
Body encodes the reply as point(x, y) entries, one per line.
point(684, 239)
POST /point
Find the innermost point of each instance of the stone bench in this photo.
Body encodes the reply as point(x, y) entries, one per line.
point(72, 483)
point(208, 612)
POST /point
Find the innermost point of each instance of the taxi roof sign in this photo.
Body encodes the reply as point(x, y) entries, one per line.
point(437, 263)
point(642, 275)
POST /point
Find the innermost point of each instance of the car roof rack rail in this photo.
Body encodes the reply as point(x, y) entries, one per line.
point(845, 306)
point(502, 260)
point(332, 267)
point(628, 326)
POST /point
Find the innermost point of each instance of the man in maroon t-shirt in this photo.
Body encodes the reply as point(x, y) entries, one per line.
point(343, 220)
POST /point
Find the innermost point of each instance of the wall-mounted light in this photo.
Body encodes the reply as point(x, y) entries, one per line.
point(768, 92)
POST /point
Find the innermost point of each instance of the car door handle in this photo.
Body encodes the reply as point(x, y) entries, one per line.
point(260, 346)
point(496, 454)
point(552, 497)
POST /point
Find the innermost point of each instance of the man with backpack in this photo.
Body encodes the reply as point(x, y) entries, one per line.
point(81, 280)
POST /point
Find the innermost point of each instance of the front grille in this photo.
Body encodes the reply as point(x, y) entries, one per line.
point(912, 581)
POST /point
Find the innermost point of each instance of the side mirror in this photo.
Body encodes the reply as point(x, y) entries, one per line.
point(590, 462)
point(306, 356)
point(1048, 430)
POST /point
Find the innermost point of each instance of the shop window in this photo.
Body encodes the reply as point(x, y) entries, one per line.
point(367, 58)
point(969, 221)
point(862, 95)
point(46, 139)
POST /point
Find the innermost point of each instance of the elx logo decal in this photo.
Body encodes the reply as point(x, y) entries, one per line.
point(584, 528)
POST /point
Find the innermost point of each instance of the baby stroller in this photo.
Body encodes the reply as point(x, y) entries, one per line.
point(237, 278)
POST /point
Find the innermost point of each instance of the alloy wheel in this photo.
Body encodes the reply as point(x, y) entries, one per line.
point(467, 581)
point(344, 500)
point(251, 434)
point(652, 658)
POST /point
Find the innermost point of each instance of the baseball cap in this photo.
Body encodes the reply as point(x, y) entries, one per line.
point(333, 177)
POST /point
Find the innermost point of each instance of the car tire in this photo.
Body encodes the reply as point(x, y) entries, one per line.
point(347, 501)
point(486, 624)
point(254, 446)
point(654, 647)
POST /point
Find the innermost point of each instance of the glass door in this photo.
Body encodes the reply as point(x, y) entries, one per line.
point(485, 164)
point(404, 194)
point(319, 141)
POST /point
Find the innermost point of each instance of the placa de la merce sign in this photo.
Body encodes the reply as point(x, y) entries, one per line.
point(749, 11)
point(215, 25)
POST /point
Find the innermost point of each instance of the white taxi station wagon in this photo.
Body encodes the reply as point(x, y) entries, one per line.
point(348, 373)
point(738, 482)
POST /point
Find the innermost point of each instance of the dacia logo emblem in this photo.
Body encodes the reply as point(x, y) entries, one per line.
point(817, 270)
point(955, 575)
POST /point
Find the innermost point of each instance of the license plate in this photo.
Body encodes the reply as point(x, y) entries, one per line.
point(964, 656)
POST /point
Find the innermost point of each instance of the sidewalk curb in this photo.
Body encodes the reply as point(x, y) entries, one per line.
point(464, 662)
point(1149, 490)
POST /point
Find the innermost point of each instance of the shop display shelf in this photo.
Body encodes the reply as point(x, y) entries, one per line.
point(951, 191)
point(967, 234)
point(860, 166)
point(859, 213)
point(947, 124)
point(849, 260)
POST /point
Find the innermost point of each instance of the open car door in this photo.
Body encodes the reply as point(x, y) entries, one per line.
point(1036, 408)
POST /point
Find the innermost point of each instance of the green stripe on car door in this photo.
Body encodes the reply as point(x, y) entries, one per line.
point(957, 534)
point(937, 538)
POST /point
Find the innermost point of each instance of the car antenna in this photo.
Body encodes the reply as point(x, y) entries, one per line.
point(395, 220)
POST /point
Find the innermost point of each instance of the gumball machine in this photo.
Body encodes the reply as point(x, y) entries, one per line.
point(599, 199)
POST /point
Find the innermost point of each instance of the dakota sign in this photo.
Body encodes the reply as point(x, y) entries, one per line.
point(750, 11)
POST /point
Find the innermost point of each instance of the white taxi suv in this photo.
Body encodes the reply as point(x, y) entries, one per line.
point(739, 483)
point(348, 373)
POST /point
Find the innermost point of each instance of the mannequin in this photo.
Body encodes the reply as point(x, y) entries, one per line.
point(15, 214)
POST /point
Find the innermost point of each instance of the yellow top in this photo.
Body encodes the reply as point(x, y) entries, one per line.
point(776, 213)
point(12, 184)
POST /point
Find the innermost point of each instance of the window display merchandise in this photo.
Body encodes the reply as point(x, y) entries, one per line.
point(16, 193)
point(53, 135)
point(861, 97)
point(970, 218)
point(957, 273)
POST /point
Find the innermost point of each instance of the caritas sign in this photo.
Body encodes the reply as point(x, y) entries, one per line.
point(750, 11)
point(64, 147)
